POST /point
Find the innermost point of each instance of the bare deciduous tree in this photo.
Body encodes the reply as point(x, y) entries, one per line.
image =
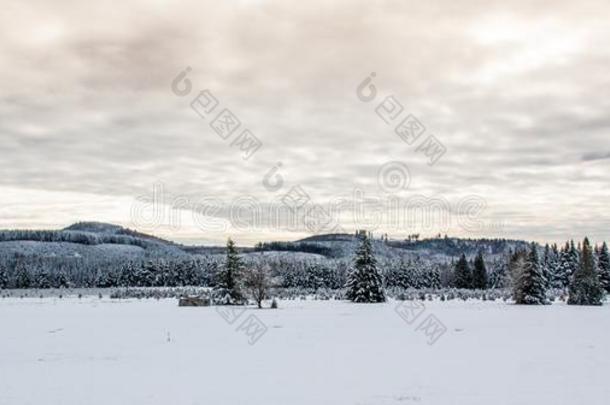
point(257, 281)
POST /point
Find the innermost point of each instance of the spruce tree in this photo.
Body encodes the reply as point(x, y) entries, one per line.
point(463, 274)
point(531, 283)
point(42, 280)
point(61, 279)
point(565, 268)
point(498, 278)
point(22, 277)
point(479, 274)
point(127, 277)
point(516, 266)
point(603, 264)
point(228, 282)
point(3, 277)
point(585, 287)
point(574, 255)
point(364, 283)
point(547, 265)
point(553, 267)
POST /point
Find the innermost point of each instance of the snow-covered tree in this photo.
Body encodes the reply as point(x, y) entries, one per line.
point(585, 287)
point(61, 279)
point(128, 276)
point(3, 277)
point(42, 280)
point(228, 282)
point(432, 278)
point(551, 267)
point(603, 265)
point(364, 283)
point(547, 265)
point(22, 276)
point(530, 288)
point(566, 265)
point(190, 274)
point(499, 277)
point(479, 274)
point(463, 274)
point(102, 279)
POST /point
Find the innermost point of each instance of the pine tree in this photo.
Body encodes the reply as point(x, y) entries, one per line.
point(61, 279)
point(42, 280)
point(479, 274)
point(102, 279)
point(585, 287)
point(364, 283)
point(547, 270)
point(603, 264)
point(574, 256)
point(127, 277)
point(499, 277)
point(463, 274)
point(516, 267)
point(566, 266)
point(22, 277)
point(553, 268)
point(228, 283)
point(145, 274)
point(531, 284)
point(3, 277)
point(190, 274)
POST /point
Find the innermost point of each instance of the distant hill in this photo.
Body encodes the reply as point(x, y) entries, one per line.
point(102, 241)
point(435, 249)
point(88, 240)
point(94, 254)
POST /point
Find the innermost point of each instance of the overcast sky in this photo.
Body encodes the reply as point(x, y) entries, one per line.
point(517, 92)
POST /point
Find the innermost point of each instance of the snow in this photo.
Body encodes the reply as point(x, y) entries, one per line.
point(102, 351)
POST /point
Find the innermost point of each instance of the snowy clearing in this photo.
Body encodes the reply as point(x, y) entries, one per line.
point(92, 351)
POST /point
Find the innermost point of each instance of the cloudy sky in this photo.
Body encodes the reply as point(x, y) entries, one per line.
point(516, 92)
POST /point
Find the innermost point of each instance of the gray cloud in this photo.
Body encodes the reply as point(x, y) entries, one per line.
point(588, 157)
point(512, 90)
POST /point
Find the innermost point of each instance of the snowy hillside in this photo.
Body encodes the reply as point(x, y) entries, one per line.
point(435, 250)
point(92, 254)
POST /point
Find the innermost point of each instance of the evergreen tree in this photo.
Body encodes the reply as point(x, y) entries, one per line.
point(3, 277)
point(432, 278)
point(126, 277)
point(531, 286)
point(463, 274)
point(547, 263)
point(565, 267)
point(146, 274)
point(22, 277)
point(61, 280)
point(499, 277)
point(42, 280)
point(102, 280)
point(190, 274)
point(364, 283)
point(603, 264)
point(553, 268)
point(228, 283)
point(479, 274)
point(516, 266)
point(574, 256)
point(585, 287)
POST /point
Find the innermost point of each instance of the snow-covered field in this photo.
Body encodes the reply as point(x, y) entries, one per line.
point(92, 351)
